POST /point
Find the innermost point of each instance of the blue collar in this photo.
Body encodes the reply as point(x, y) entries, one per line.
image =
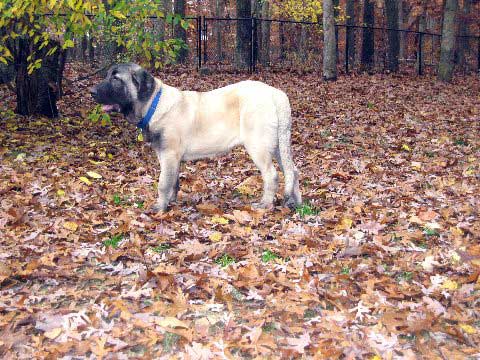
point(143, 124)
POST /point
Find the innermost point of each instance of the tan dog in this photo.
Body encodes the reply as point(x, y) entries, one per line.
point(188, 125)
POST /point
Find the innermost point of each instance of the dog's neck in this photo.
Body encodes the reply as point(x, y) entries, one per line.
point(141, 109)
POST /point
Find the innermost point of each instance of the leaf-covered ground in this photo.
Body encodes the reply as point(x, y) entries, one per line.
point(383, 262)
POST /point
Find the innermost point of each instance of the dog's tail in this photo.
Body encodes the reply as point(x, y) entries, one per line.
point(293, 196)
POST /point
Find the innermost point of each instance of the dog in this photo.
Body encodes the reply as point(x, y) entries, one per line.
point(189, 125)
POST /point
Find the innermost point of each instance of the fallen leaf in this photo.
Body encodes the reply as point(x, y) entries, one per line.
point(70, 225)
point(54, 333)
point(94, 175)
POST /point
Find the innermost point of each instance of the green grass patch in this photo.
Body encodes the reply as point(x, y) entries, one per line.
point(170, 340)
point(345, 270)
point(161, 248)
point(404, 276)
point(113, 241)
point(430, 232)
point(225, 260)
point(306, 209)
point(269, 255)
point(461, 142)
point(268, 327)
point(117, 200)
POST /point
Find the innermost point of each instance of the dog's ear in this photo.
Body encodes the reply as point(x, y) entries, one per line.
point(145, 84)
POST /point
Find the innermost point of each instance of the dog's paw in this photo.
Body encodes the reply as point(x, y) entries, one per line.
point(289, 202)
point(157, 208)
point(262, 205)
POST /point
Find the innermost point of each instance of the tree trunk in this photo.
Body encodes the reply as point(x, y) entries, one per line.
point(303, 43)
point(281, 40)
point(351, 31)
point(464, 31)
point(242, 51)
point(37, 92)
point(91, 49)
point(401, 26)
point(217, 29)
point(265, 49)
point(180, 32)
point(422, 27)
point(391, 7)
point(336, 14)
point(368, 41)
point(329, 42)
point(447, 51)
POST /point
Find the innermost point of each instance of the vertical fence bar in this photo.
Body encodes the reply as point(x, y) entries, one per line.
point(420, 59)
point(347, 46)
point(205, 36)
point(199, 42)
point(252, 45)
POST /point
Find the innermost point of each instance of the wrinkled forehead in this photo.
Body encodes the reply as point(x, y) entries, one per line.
point(123, 69)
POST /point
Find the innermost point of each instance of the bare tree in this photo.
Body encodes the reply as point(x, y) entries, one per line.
point(179, 31)
point(447, 52)
point(464, 31)
point(329, 42)
point(351, 31)
point(265, 49)
point(422, 27)
point(401, 26)
point(217, 28)
point(244, 28)
point(368, 40)
point(391, 7)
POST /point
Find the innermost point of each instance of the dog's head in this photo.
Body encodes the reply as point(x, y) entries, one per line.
point(125, 89)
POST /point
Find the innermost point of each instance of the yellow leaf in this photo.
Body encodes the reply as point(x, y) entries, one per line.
point(219, 220)
point(406, 147)
point(70, 225)
point(118, 14)
point(95, 162)
point(456, 231)
point(52, 334)
point(140, 137)
point(60, 192)
point(344, 224)
point(376, 357)
point(171, 322)
point(94, 175)
point(468, 329)
point(455, 257)
point(450, 285)
point(216, 236)
point(68, 44)
point(470, 171)
point(85, 180)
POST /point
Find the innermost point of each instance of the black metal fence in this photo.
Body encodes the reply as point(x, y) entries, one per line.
point(298, 45)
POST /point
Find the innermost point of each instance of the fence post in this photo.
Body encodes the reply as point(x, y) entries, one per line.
point(199, 42)
point(205, 36)
point(420, 59)
point(347, 46)
point(252, 44)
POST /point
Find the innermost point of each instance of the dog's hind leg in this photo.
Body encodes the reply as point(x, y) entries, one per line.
point(262, 157)
point(176, 189)
point(283, 153)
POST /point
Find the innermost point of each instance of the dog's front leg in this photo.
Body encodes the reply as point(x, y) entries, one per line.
point(169, 166)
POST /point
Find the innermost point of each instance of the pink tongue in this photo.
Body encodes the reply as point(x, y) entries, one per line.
point(107, 108)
